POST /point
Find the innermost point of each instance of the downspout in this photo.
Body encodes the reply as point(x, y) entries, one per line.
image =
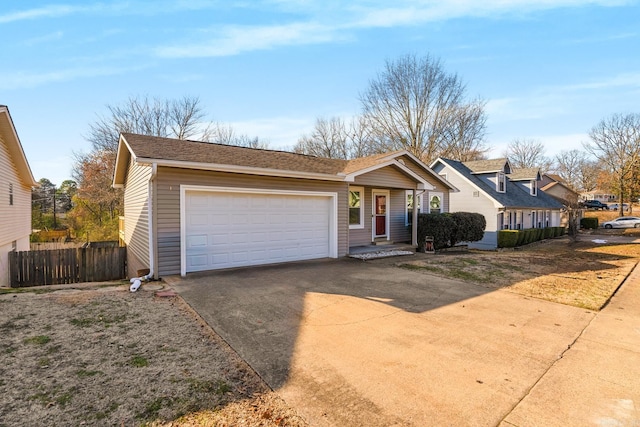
point(153, 262)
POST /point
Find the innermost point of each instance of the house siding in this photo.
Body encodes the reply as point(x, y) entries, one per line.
point(15, 220)
point(169, 180)
point(136, 225)
point(463, 201)
point(398, 231)
point(388, 177)
point(439, 187)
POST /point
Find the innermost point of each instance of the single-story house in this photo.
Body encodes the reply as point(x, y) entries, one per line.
point(508, 198)
point(193, 206)
point(16, 181)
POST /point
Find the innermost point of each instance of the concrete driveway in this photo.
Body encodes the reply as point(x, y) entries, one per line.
point(368, 344)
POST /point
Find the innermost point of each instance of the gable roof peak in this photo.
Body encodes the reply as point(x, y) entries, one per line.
point(489, 165)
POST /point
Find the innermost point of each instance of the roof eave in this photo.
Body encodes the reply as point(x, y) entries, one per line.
point(240, 169)
point(17, 152)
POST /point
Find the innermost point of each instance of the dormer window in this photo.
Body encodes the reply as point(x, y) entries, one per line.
point(533, 188)
point(501, 185)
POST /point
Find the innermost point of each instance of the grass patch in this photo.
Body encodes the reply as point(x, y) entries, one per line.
point(139, 361)
point(218, 387)
point(38, 340)
point(101, 319)
point(83, 373)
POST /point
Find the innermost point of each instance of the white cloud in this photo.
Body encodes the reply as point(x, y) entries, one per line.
point(20, 80)
point(233, 40)
point(631, 80)
point(55, 36)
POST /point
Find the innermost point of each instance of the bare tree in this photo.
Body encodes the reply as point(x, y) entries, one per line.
point(578, 170)
point(336, 139)
point(328, 139)
point(178, 118)
point(221, 133)
point(414, 104)
point(527, 153)
point(463, 140)
point(615, 142)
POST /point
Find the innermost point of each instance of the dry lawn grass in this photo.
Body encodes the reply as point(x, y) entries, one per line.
point(583, 273)
point(106, 357)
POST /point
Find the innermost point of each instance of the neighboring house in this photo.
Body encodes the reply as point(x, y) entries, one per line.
point(558, 188)
point(192, 206)
point(508, 199)
point(600, 195)
point(16, 181)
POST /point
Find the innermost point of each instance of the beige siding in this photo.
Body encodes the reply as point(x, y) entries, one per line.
point(168, 205)
point(398, 231)
point(136, 210)
point(439, 187)
point(388, 177)
point(15, 220)
point(397, 220)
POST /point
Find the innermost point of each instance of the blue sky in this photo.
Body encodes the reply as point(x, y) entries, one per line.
point(550, 70)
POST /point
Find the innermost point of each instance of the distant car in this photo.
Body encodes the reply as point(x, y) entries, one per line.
point(623, 222)
point(594, 204)
point(616, 206)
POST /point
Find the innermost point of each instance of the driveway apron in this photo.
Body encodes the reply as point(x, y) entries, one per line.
point(357, 343)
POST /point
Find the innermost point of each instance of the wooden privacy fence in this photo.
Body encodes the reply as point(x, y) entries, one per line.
point(58, 266)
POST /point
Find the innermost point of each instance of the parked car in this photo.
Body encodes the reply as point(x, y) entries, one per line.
point(594, 204)
point(616, 206)
point(623, 222)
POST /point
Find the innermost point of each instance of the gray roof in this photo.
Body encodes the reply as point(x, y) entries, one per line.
point(525, 174)
point(514, 197)
point(491, 165)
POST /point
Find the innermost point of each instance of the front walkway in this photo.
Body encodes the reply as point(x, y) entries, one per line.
point(597, 380)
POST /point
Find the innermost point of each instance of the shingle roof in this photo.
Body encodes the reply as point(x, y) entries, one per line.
point(524, 174)
point(491, 165)
point(153, 147)
point(514, 196)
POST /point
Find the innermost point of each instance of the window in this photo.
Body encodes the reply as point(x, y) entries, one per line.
point(534, 187)
point(502, 183)
point(435, 202)
point(10, 194)
point(356, 211)
point(409, 208)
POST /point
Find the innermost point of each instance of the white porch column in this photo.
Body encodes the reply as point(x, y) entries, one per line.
point(414, 221)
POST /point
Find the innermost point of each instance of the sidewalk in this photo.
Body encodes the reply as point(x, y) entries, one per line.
point(597, 381)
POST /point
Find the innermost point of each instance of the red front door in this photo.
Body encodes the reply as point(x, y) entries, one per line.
point(380, 214)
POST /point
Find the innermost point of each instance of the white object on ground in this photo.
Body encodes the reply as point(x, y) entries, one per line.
point(135, 285)
point(600, 241)
point(381, 254)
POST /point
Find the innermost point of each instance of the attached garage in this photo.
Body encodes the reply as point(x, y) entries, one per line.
point(231, 227)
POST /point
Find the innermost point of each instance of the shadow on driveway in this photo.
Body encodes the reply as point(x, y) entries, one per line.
point(354, 343)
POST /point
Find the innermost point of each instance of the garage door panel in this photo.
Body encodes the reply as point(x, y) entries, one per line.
point(232, 230)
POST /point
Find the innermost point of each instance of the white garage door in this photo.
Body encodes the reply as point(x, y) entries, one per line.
point(225, 229)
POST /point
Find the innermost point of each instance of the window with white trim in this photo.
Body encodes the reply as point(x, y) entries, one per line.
point(533, 188)
point(435, 202)
point(408, 207)
point(356, 207)
point(501, 183)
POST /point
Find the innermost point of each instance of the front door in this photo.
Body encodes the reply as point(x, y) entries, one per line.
point(379, 214)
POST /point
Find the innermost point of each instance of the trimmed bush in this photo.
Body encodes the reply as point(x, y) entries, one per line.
point(449, 229)
point(437, 225)
point(591, 223)
point(549, 232)
point(521, 237)
point(507, 238)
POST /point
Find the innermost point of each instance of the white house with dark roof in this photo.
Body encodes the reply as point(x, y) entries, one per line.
point(16, 181)
point(192, 206)
point(508, 198)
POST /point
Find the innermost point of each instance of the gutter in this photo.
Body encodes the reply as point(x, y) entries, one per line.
point(152, 221)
